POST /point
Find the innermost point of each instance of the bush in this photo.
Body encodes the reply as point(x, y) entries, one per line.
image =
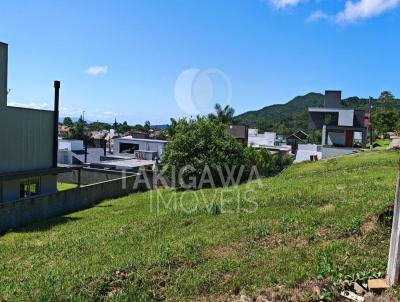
point(199, 150)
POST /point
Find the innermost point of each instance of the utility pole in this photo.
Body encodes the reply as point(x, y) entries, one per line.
point(370, 123)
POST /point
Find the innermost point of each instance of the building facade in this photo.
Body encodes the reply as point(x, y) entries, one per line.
point(140, 148)
point(28, 157)
point(341, 127)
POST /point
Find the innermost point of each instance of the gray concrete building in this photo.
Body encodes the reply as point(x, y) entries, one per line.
point(341, 127)
point(28, 163)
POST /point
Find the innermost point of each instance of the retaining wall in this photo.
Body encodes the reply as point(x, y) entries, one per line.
point(21, 212)
point(90, 176)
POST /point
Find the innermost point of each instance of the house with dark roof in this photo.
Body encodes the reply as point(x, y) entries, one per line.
point(340, 126)
point(239, 132)
point(28, 157)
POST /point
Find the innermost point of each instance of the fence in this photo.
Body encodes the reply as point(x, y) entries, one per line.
point(21, 212)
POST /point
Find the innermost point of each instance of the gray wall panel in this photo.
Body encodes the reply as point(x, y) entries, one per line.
point(27, 139)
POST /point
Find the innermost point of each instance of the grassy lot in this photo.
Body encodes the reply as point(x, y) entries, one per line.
point(384, 144)
point(315, 223)
point(61, 186)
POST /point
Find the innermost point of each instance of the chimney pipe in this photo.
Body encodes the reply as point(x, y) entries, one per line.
point(85, 142)
point(56, 117)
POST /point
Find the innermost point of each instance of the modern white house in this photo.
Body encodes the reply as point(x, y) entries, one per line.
point(267, 140)
point(139, 148)
point(28, 161)
point(341, 126)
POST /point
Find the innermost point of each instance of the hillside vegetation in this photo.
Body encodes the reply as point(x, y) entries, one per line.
point(292, 116)
point(313, 224)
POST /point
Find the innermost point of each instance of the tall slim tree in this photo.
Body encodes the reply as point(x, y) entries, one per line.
point(68, 122)
point(224, 114)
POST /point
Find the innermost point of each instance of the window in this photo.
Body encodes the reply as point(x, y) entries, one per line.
point(29, 187)
point(128, 148)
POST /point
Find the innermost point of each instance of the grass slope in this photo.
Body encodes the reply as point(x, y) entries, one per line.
point(313, 221)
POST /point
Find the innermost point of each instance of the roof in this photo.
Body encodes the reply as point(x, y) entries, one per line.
point(301, 135)
point(129, 137)
point(127, 163)
point(33, 173)
point(237, 131)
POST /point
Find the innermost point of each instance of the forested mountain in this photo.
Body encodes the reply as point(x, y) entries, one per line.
point(292, 116)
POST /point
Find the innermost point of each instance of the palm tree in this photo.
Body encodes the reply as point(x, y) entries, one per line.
point(224, 115)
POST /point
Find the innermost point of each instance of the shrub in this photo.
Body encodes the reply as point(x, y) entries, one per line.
point(199, 150)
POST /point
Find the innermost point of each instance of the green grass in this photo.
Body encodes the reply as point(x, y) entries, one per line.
point(61, 186)
point(314, 221)
point(384, 144)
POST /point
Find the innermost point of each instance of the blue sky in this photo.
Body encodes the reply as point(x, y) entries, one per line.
point(123, 58)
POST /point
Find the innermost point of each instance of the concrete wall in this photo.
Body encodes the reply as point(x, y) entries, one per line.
point(11, 189)
point(90, 176)
point(25, 211)
point(70, 145)
point(27, 134)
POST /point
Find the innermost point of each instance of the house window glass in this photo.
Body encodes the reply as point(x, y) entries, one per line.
point(29, 187)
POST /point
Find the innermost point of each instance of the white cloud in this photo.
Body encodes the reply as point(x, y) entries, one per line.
point(96, 70)
point(110, 113)
point(33, 105)
point(284, 3)
point(364, 9)
point(318, 15)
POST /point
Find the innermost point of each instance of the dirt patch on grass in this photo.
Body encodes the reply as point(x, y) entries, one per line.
point(328, 208)
point(308, 291)
point(276, 241)
point(231, 250)
point(369, 226)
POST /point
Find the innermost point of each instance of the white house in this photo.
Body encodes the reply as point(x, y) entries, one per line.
point(141, 148)
point(256, 139)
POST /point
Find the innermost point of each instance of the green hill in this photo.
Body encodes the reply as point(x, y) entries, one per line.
point(292, 116)
point(289, 236)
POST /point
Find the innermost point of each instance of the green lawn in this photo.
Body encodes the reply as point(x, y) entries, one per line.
point(384, 144)
point(315, 222)
point(61, 186)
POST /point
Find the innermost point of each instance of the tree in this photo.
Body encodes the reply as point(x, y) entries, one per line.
point(224, 115)
point(79, 129)
point(124, 127)
point(147, 126)
point(68, 122)
point(386, 97)
point(385, 121)
point(115, 125)
point(197, 146)
point(171, 129)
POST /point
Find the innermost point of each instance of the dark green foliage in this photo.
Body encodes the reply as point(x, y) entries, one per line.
point(209, 152)
point(385, 120)
point(200, 144)
point(223, 114)
point(68, 122)
point(283, 118)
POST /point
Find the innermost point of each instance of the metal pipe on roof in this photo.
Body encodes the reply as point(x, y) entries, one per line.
point(56, 117)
